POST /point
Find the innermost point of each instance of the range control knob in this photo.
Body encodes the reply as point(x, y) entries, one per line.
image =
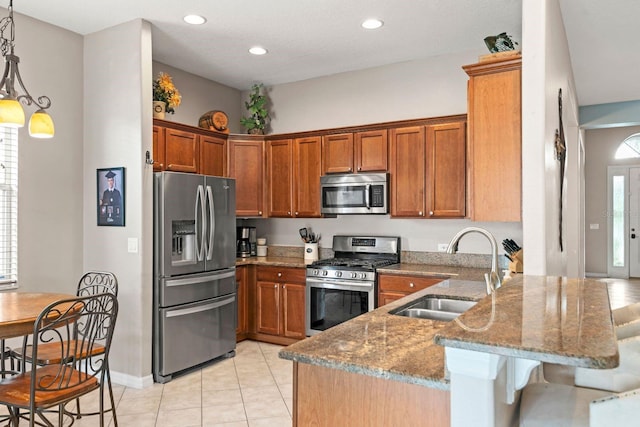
point(325, 272)
point(363, 275)
point(354, 275)
point(315, 272)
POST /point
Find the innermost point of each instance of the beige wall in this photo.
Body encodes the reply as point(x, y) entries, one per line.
point(50, 176)
point(200, 95)
point(600, 149)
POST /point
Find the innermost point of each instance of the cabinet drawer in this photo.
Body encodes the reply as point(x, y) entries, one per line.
point(281, 274)
point(406, 283)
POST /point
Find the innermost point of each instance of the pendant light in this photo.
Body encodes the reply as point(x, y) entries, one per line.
point(11, 111)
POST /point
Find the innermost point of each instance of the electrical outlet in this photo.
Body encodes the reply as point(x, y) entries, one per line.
point(442, 247)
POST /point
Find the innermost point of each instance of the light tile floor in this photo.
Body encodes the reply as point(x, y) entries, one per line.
point(252, 389)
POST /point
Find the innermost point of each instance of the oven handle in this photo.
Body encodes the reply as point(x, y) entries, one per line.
point(340, 284)
point(367, 196)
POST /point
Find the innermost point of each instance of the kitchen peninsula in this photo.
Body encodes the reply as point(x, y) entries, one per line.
point(379, 367)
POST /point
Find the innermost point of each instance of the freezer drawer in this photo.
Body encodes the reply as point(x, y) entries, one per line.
point(196, 287)
point(192, 334)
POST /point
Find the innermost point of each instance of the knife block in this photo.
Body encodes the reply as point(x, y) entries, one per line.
point(516, 266)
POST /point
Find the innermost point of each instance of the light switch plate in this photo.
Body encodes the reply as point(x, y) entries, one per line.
point(594, 226)
point(133, 245)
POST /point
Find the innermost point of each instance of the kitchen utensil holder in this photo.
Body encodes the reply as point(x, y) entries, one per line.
point(310, 251)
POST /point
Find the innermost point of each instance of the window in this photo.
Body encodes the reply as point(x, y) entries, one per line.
point(8, 207)
point(629, 148)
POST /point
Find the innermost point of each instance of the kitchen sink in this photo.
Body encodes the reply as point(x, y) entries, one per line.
point(434, 308)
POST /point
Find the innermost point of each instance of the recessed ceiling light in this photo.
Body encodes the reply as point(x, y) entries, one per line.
point(257, 50)
point(372, 24)
point(194, 19)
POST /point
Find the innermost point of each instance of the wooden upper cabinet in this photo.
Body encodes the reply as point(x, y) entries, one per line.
point(181, 151)
point(446, 177)
point(408, 171)
point(337, 153)
point(371, 149)
point(213, 155)
point(355, 152)
point(494, 140)
point(245, 160)
point(280, 178)
point(307, 167)
point(158, 149)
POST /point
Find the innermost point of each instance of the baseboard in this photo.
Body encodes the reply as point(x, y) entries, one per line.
point(131, 381)
point(599, 275)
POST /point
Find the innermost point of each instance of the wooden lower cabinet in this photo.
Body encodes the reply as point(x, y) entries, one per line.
point(279, 305)
point(392, 287)
point(242, 326)
point(331, 397)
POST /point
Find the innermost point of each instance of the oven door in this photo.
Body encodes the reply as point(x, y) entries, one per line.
point(330, 302)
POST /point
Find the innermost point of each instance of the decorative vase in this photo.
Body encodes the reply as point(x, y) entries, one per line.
point(256, 131)
point(159, 108)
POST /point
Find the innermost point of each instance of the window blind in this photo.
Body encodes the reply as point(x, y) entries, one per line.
point(8, 207)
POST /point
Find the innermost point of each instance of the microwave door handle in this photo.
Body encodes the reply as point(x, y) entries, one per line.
point(367, 196)
point(212, 223)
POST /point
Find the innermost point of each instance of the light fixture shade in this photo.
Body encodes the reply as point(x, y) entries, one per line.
point(11, 113)
point(41, 125)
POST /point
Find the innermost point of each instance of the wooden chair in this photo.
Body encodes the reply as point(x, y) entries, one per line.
point(91, 283)
point(74, 325)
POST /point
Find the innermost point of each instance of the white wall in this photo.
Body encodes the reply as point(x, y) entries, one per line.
point(546, 68)
point(50, 170)
point(117, 132)
point(200, 95)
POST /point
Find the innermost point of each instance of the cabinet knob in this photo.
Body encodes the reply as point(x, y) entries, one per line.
point(296, 213)
point(359, 168)
point(349, 169)
point(420, 213)
point(279, 274)
point(284, 286)
point(411, 285)
point(259, 212)
point(275, 285)
point(288, 212)
point(431, 213)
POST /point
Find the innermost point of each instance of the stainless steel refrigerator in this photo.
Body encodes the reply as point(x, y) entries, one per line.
point(194, 292)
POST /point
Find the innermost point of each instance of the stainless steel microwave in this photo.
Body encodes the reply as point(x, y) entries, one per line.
point(361, 193)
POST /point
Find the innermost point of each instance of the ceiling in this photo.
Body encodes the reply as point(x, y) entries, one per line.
point(308, 39)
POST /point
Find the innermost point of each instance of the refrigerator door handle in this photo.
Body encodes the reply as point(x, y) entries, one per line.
point(205, 279)
point(200, 224)
point(212, 222)
point(201, 308)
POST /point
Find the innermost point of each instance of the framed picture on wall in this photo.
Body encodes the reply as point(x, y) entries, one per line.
point(111, 196)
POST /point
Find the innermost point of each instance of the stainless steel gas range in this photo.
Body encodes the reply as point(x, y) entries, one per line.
point(343, 287)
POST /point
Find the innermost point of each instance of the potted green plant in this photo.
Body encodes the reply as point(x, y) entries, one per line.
point(257, 108)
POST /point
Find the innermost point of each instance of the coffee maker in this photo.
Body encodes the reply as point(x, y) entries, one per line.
point(246, 245)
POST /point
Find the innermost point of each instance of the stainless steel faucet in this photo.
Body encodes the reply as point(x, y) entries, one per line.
point(492, 279)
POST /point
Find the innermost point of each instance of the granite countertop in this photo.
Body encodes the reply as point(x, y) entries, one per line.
point(551, 319)
point(276, 261)
point(384, 345)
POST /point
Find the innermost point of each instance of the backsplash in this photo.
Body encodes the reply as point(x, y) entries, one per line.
point(409, 257)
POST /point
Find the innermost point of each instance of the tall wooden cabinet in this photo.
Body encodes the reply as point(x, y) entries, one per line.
point(427, 167)
point(246, 165)
point(494, 140)
point(293, 177)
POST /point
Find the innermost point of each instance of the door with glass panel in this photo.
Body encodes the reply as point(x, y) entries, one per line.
point(618, 222)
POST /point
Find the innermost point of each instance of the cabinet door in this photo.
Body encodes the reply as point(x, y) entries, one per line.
point(293, 310)
point(158, 149)
point(495, 146)
point(408, 171)
point(279, 173)
point(307, 154)
point(446, 166)
point(241, 297)
point(371, 150)
point(268, 307)
point(385, 298)
point(181, 151)
point(246, 166)
point(213, 155)
point(337, 153)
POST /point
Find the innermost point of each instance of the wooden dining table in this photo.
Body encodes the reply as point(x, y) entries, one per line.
point(19, 311)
